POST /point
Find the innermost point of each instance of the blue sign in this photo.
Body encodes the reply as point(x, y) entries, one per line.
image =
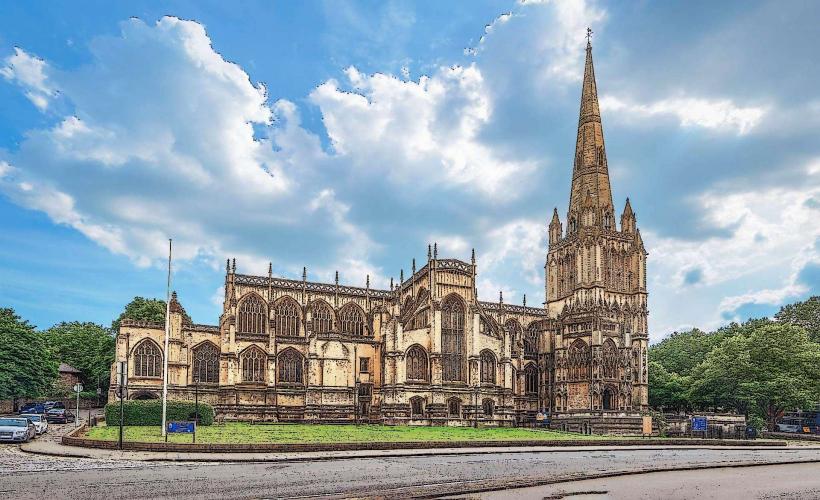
point(699, 423)
point(182, 427)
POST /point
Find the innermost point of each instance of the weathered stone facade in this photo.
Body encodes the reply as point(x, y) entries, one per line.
point(427, 351)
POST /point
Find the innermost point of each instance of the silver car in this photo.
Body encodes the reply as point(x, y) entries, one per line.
point(16, 429)
point(40, 422)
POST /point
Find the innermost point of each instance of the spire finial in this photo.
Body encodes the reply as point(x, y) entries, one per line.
point(227, 265)
point(589, 36)
point(414, 265)
point(472, 257)
point(304, 273)
point(435, 250)
point(337, 278)
point(233, 265)
point(401, 276)
point(525, 300)
point(501, 296)
point(367, 281)
point(391, 283)
point(429, 252)
point(270, 268)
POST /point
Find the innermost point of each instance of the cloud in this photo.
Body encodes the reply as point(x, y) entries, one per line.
point(717, 114)
point(29, 72)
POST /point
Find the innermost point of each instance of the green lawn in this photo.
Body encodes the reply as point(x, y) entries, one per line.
point(236, 432)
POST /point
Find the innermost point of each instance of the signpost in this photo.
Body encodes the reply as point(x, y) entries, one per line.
point(78, 388)
point(122, 392)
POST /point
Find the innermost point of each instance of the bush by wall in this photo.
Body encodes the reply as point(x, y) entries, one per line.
point(149, 412)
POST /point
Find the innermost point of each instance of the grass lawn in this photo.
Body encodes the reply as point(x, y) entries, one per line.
point(237, 432)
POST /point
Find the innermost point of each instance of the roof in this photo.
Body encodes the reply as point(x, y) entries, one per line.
point(66, 368)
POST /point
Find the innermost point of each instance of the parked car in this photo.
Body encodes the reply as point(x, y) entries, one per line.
point(59, 416)
point(32, 409)
point(16, 429)
point(40, 422)
point(50, 405)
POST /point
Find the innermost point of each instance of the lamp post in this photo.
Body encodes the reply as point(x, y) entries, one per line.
point(196, 403)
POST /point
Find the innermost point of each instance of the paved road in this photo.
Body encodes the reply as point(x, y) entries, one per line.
point(27, 476)
point(796, 481)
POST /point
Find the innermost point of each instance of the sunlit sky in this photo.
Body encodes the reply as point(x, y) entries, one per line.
point(349, 135)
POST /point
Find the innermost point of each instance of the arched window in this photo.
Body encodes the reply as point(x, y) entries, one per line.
point(252, 361)
point(452, 339)
point(531, 340)
point(513, 329)
point(252, 312)
point(322, 317)
point(286, 318)
point(147, 360)
point(487, 367)
point(610, 359)
point(351, 320)
point(531, 379)
point(578, 359)
point(416, 360)
point(290, 365)
point(206, 363)
point(416, 407)
point(454, 408)
point(488, 405)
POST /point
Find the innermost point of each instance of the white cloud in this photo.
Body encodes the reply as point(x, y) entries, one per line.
point(420, 134)
point(30, 73)
point(717, 114)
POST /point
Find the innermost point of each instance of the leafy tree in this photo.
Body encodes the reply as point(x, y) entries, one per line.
point(142, 309)
point(681, 352)
point(805, 314)
point(772, 369)
point(26, 367)
point(667, 389)
point(85, 346)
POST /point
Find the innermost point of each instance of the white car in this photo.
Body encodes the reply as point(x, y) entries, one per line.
point(16, 429)
point(40, 422)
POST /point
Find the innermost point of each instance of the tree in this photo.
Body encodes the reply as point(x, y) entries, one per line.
point(142, 309)
point(667, 389)
point(772, 369)
point(805, 314)
point(681, 352)
point(85, 346)
point(26, 367)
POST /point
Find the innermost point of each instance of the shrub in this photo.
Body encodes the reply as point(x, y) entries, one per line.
point(149, 412)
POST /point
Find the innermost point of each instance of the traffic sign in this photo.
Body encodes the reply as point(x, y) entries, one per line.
point(78, 387)
point(699, 423)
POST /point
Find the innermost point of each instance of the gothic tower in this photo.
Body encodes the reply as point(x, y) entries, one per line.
point(596, 284)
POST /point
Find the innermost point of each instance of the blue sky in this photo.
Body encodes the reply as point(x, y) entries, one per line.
point(349, 135)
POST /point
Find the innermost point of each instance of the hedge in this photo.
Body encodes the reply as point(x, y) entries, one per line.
point(149, 412)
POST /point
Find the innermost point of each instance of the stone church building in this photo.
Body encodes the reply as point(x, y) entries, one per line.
point(427, 351)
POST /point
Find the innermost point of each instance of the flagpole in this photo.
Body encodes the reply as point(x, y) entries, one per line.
point(167, 334)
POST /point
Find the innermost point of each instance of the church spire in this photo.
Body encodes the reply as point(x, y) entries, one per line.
point(590, 175)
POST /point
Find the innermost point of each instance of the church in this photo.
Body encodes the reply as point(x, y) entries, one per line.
point(427, 351)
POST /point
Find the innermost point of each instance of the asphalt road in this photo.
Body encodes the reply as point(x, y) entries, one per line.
point(795, 481)
point(35, 476)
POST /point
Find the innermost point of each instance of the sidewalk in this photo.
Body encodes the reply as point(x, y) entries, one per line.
point(49, 447)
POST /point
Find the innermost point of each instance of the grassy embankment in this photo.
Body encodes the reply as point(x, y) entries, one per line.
point(236, 432)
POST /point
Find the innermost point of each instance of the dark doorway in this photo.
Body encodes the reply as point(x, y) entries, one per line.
point(609, 399)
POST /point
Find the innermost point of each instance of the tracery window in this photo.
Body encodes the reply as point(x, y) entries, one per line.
point(351, 320)
point(252, 312)
point(452, 339)
point(206, 363)
point(487, 370)
point(416, 407)
point(416, 363)
point(610, 359)
point(531, 379)
point(290, 365)
point(578, 359)
point(531, 340)
point(286, 318)
point(488, 406)
point(514, 331)
point(322, 317)
point(454, 408)
point(147, 360)
point(252, 360)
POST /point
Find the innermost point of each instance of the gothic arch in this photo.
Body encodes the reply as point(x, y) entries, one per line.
point(352, 320)
point(415, 359)
point(531, 339)
point(253, 364)
point(487, 366)
point(147, 358)
point(609, 368)
point(453, 312)
point(513, 329)
point(578, 359)
point(290, 366)
point(205, 363)
point(322, 316)
point(252, 314)
point(531, 379)
point(287, 317)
